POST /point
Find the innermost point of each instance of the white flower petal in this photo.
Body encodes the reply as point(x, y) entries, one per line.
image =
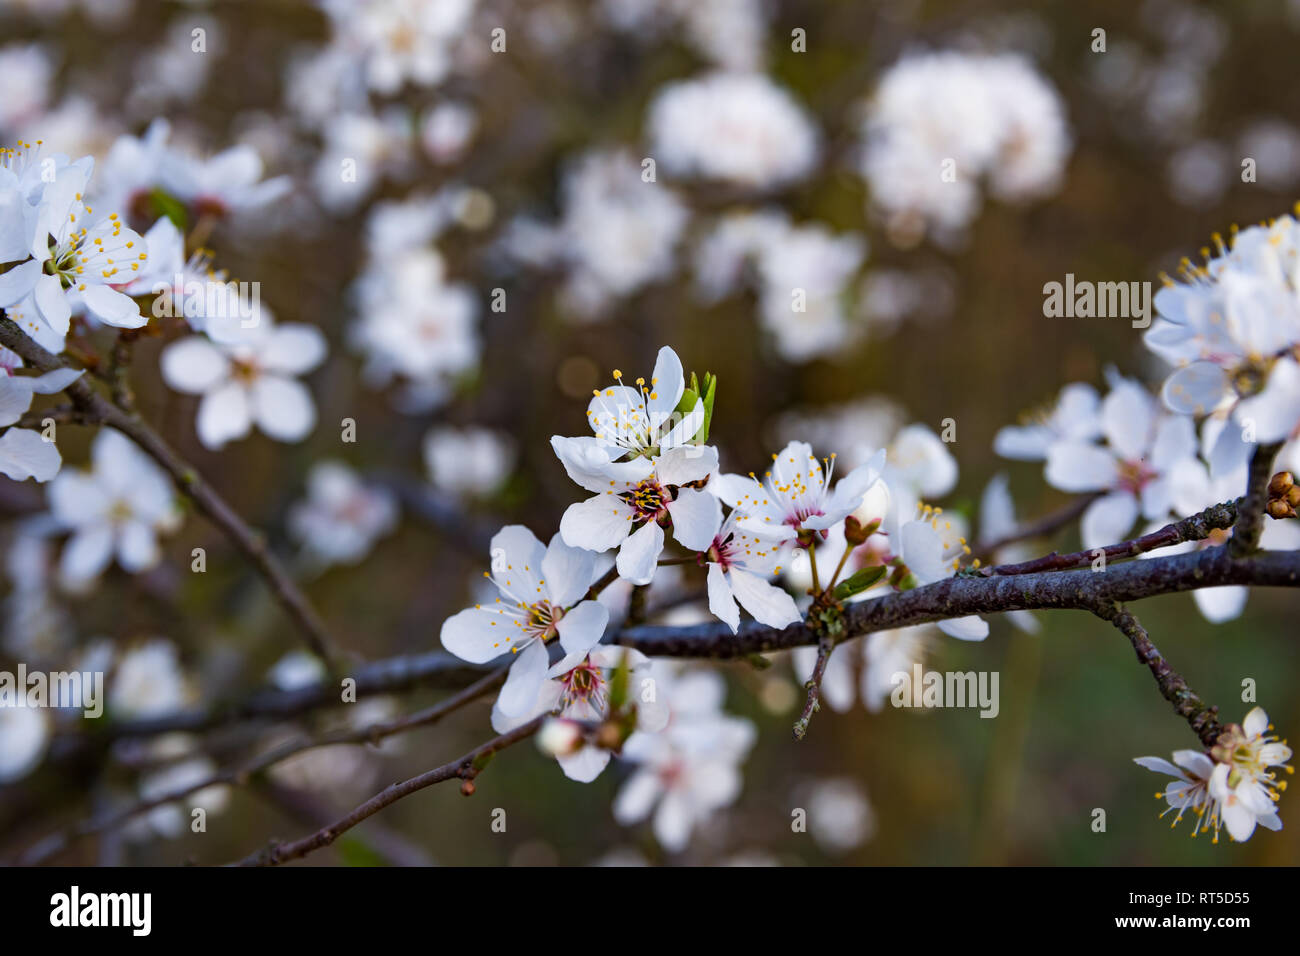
point(582, 628)
point(1128, 417)
point(1075, 466)
point(1160, 765)
point(639, 554)
point(597, 524)
point(686, 464)
point(769, 604)
point(567, 571)
point(293, 349)
point(224, 414)
point(283, 408)
point(966, 628)
point(52, 304)
point(1221, 604)
point(86, 555)
point(193, 365)
point(479, 634)
point(697, 516)
point(721, 603)
point(585, 765)
point(637, 798)
point(18, 282)
point(137, 547)
point(26, 454)
point(524, 681)
point(1108, 520)
point(112, 307)
point(1195, 389)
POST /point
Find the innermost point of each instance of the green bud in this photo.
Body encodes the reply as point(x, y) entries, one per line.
point(692, 395)
point(164, 203)
point(858, 582)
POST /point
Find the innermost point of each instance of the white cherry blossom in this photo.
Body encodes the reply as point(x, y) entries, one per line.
point(1076, 417)
point(1244, 781)
point(635, 500)
point(249, 381)
point(642, 419)
point(930, 548)
point(1143, 445)
point(25, 453)
point(740, 565)
point(148, 681)
point(542, 600)
point(738, 127)
point(795, 495)
point(24, 736)
point(116, 509)
point(1190, 789)
point(342, 517)
point(78, 257)
point(690, 769)
point(581, 694)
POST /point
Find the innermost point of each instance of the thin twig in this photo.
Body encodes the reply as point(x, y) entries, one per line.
point(433, 669)
point(1196, 528)
point(465, 768)
point(814, 684)
point(636, 607)
point(310, 810)
point(973, 594)
point(1250, 507)
point(372, 734)
point(97, 409)
point(1040, 528)
point(1203, 719)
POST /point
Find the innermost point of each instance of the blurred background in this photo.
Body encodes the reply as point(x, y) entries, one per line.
point(522, 171)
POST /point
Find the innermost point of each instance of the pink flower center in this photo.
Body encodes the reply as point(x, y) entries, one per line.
point(648, 500)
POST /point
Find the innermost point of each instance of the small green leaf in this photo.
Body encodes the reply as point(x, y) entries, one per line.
point(710, 390)
point(858, 582)
point(618, 683)
point(164, 203)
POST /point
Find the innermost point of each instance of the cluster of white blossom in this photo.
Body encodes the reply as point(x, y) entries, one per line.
point(617, 233)
point(941, 125)
point(740, 129)
point(1233, 786)
point(801, 273)
point(651, 473)
point(414, 324)
point(787, 544)
point(1232, 326)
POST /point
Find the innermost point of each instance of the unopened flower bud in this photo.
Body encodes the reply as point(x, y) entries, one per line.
point(856, 533)
point(1280, 484)
point(559, 738)
point(467, 788)
point(1279, 508)
point(610, 736)
point(1293, 496)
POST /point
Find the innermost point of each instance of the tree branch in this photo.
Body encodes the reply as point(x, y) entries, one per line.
point(973, 594)
point(435, 669)
point(1198, 527)
point(372, 734)
point(95, 408)
point(954, 597)
point(1203, 719)
point(1041, 527)
point(465, 768)
point(814, 684)
point(1251, 505)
